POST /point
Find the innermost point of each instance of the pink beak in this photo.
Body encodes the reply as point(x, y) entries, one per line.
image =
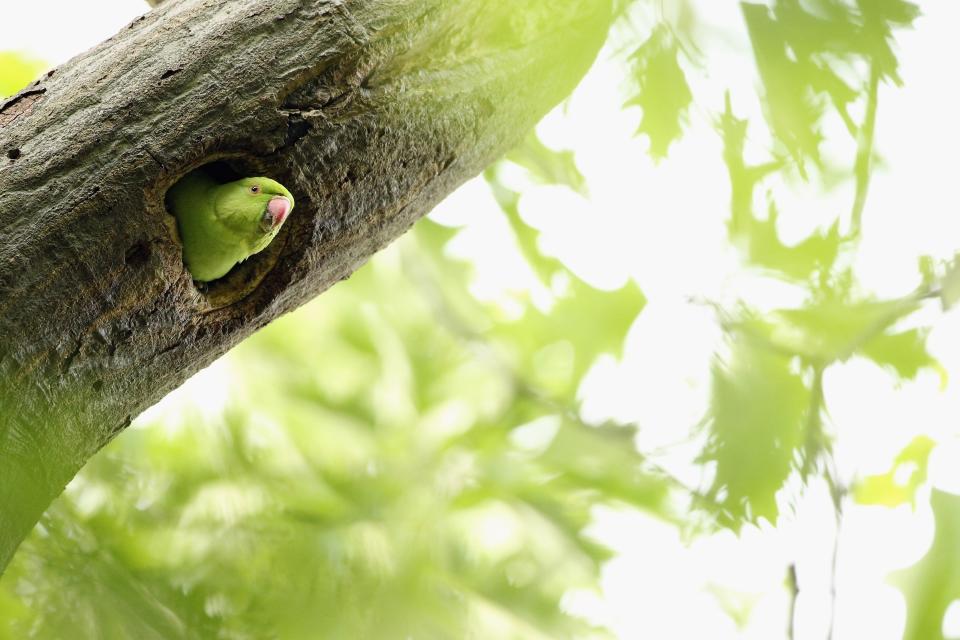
point(279, 209)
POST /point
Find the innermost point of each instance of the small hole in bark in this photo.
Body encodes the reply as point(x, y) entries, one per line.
point(349, 179)
point(13, 154)
point(170, 72)
point(137, 255)
point(98, 385)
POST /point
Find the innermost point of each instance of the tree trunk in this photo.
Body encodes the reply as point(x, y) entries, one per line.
point(369, 111)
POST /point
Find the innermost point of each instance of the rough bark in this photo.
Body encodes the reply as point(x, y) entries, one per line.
point(370, 111)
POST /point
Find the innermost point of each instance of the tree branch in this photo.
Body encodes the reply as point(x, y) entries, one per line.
point(370, 111)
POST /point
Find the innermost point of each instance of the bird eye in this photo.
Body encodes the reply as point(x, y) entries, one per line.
point(254, 189)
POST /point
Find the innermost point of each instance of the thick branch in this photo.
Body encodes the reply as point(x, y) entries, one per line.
point(370, 111)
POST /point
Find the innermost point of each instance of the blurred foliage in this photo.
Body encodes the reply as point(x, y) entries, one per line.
point(402, 460)
point(931, 585)
point(767, 419)
point(827, 331)
point(17, 70)
point(599, 319)
point(756, 236)
point(803, 51)
point(375, 475)
point(756, 427)
point(548, 166)
point(899, 485)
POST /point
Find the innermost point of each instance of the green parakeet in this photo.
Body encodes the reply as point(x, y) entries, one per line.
point(223, 224)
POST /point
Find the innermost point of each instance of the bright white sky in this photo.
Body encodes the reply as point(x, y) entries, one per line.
point(663, 226)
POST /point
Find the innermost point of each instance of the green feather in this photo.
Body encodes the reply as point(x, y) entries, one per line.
point(223, 224)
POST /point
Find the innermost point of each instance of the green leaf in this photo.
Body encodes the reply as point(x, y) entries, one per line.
point(548, 166)
point(791, 110)
point(661, 90)
point(755, 431)
point(527, 237)
point(833, 329)
point(934, 582)
point(880, 17)
point(899, 485)
point(900, 13)
point(816, 254)
point(555, 348)
point(904, 352)
point(744, 180)
point(604, 460)
point(798, 47)
point(585, 320)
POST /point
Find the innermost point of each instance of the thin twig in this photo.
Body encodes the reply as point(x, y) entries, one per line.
point(838, 493)
point(814, 428)
point(794, 589)
point(863, 166)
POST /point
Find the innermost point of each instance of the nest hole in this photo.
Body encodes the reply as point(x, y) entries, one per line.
point(137, 255)
point(245, 276)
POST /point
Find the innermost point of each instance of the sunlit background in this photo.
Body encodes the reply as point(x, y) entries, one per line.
point(448, 454)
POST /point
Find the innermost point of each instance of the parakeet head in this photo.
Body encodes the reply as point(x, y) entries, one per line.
point(254, 208)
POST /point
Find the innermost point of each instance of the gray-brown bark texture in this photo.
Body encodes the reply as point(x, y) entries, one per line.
point(369, 111)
